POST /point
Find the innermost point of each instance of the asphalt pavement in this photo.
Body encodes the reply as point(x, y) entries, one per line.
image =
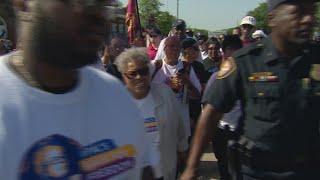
point(208, 166)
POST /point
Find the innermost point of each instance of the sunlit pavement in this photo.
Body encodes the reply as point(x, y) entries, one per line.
point(208, 166)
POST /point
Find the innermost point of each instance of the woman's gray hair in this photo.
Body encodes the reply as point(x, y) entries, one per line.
point(132, 54)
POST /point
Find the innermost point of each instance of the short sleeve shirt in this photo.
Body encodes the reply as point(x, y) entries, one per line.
point(278, 95)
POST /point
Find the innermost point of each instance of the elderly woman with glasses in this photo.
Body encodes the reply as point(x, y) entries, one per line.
point(157, 103)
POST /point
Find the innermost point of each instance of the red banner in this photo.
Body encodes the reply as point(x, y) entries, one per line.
point(132, 20)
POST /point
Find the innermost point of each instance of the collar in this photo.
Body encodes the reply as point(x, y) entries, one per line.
point(271, 53)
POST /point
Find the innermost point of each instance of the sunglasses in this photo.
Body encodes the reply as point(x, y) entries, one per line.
point(153, 35)
point(141, 72)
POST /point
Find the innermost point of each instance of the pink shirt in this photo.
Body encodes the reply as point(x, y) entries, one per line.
point(152, 52)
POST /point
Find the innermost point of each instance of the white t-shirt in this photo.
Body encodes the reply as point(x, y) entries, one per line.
point(160, 53)
point(151, 124)
point(231, 118)
point(163, 77)
point(94, 131)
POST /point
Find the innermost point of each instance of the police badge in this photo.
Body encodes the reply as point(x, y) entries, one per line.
point(315, 72)
point(227, 67)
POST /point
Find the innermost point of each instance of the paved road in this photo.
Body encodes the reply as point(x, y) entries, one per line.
point(208, 165)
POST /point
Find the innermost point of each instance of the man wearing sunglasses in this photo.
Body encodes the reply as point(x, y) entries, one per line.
point(213, 61)
point(62, 119)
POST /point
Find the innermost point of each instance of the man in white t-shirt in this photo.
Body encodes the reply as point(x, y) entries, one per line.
point(178, 75)
point(61, 122)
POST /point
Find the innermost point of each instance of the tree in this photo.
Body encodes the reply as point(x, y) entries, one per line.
point(148, 9)
point(260, 13)
point(164, 21)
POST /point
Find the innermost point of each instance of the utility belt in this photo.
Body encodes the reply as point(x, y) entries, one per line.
point(230, 133)
point(251, 156)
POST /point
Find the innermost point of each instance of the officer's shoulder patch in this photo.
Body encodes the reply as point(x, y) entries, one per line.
point(228, 66)
point(249, 49)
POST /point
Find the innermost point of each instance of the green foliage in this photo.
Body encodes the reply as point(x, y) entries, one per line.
point(164, 21)
point(260, 13)
point(147, 9)
point(230, 30)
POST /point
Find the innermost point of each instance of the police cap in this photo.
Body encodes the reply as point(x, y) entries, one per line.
point(188, 42)
point(272, 4)
point(179, 24)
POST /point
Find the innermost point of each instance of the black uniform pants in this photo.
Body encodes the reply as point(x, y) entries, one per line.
point(301, 174)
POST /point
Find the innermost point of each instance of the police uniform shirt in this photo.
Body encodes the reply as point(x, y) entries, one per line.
point(280, 97)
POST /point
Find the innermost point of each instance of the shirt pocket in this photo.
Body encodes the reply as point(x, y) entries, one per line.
point(264, 102)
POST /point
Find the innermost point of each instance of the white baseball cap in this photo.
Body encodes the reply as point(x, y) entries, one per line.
point(258, 33)
point(248, 20)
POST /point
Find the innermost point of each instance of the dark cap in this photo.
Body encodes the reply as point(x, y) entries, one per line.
point(272, 4)
point(155, 30)
point(188, 42)
point(179, 24)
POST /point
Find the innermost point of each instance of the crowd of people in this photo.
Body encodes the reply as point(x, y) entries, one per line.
point(74, 106)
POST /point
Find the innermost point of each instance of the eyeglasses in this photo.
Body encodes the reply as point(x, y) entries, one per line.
point(247, 26)
point(141, 72)
point(153, 35)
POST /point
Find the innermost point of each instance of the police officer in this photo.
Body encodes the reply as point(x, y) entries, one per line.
point(277, 81)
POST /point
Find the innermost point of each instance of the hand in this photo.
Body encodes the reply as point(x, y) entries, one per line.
point(184, 79)
point(189, 174)
point(175, 83)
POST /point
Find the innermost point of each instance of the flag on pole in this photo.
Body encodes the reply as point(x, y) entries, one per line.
point(132, 20)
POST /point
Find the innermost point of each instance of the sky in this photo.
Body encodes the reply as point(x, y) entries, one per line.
point(210, 14)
